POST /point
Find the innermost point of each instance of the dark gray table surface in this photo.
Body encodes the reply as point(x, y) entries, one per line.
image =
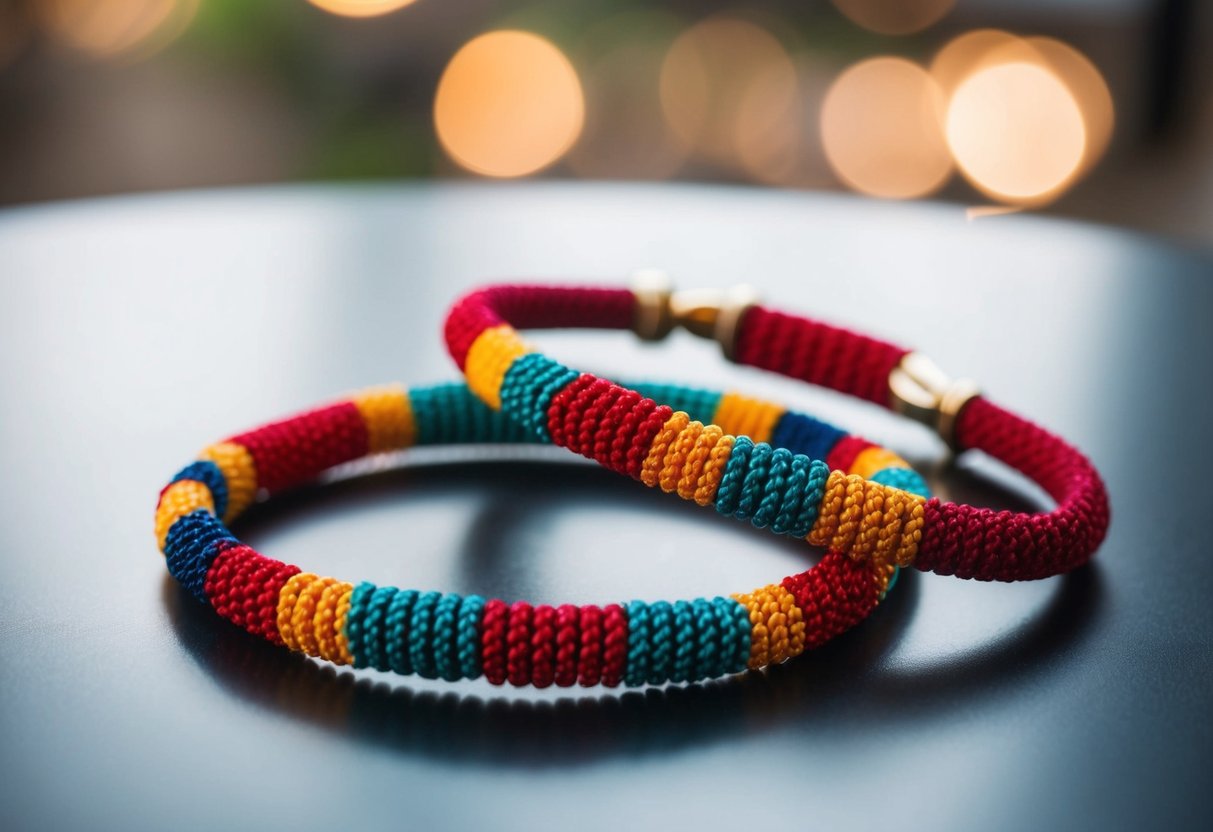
point(135, 330)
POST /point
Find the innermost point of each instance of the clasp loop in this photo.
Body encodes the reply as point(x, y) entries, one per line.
point(708, 313)
point(920, 390)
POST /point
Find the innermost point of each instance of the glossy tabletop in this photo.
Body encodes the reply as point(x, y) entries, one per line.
point(133, 331)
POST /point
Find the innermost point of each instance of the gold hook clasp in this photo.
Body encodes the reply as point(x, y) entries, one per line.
point(709, 313)
point(920, 390)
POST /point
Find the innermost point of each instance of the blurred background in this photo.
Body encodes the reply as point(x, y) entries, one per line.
point(1094, 109)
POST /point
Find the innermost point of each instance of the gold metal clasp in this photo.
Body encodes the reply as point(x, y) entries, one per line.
point(708, 313)
point(920, 390)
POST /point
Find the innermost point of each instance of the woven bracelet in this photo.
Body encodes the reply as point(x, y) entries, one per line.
point(845, 496)
point(449, 636)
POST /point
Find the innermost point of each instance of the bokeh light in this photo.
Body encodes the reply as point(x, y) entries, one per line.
point(360, 8)
point(880, 127)
point(509, 103)
point(965, 54)
point(625, 134)
point(1090, 92)
point(894, 17)
point(106, 28)
point(1016, 132)
point(708, 82)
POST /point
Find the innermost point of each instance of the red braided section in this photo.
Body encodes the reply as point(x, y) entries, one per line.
point(615, 644)
point(646, 431)
point(834, 596)
point(243, 586)
point(568, 644)
point(605, 422)
point(297, 449)
point(842, 455)
point(817, 353)
point(535, 307)
point(543, 646)
point(493, 641)
point(1010, 546)
point(518, 635)
point(589, 664)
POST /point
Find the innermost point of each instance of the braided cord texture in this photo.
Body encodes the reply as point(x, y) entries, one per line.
point(817, 353)
point(1012, 546)
point(450, 636)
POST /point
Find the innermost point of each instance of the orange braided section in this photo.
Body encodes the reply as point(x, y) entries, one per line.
point(650, 469)
point(311, 616)
point(777, 629)
point(240, 472)
point(328, 624)
point(488, 359)
point(388, 416)
point(179, 499)
point(708, 459)
point(687, 457)
point(868, 520)
point(743, 416)
point(870, 460)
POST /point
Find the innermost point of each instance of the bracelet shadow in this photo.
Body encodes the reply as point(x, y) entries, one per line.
point(848, 684)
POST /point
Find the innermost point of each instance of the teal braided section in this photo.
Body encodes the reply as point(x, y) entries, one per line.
point(772, 487)
point(446, 659)
point(468, 632)
point(420, 636)
point(431, 634)
point(450, 414)
point(686, 641)
point(699, 404)
point(366, 625)
point(736, 633)
point(527, 390)
point(907, 479)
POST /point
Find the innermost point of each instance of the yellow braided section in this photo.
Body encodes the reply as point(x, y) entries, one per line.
point(178, 500)
point(742, 416)
point(650, 469)
point(674, 470)
point(868, 520)
point(328, 624)
point(776, 625)
point(297, 605)
point(687, 457)
point(488, 359)
point(388, 417)
point(870, 460)
point(708, 459)
point(239, 471)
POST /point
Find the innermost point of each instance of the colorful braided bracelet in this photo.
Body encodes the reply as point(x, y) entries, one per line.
point(846, 497)
point(449, 636)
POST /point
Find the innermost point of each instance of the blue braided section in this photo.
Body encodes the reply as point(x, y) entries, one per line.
point(802, 434)
point(772, 487)
point(700, 405)
point(907, 479)
point(207, 473)
point(192, 544)
point(527, 390)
